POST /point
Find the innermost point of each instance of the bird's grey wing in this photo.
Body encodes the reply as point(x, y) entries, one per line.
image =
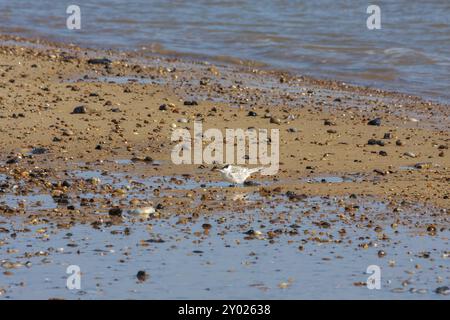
point(251, 171)
point(236, 170)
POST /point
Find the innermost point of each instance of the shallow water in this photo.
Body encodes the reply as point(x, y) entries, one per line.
point(216, 266)
point(411, 53)
point(184, 261)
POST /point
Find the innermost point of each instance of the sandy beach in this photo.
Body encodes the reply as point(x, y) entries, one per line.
point(86, 137)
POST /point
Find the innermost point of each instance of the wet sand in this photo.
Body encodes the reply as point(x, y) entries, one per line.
point(347, 195)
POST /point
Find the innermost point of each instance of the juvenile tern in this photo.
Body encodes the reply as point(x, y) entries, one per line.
point(236, 174)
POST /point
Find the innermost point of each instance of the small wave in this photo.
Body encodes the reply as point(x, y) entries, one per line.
point(407, 56)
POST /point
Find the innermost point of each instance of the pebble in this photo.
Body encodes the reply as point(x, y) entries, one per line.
point(423, 165)
point(143, 212)
point(94, 180)
point(14, 160)
point(409, 154)
point(68, 133)
point(381, 253)
point(115, 212)
point(388, 135)
point(275, 120)
point(443, 290)
point(399, 143)
point(142, 275)
point(206, 226)
point(252, 114)
point(373, 142)
point(103, 61)
point(79, 110)
point(375, 122)
point(39, 150)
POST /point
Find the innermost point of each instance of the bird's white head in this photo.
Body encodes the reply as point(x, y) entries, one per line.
point(225, 168)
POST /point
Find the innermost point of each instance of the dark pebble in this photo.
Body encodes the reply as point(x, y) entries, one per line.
point(373, 142)
point(79, 110)
point(443, 290)
point(104, 61)
point(381, 253)
point(375, 122)
point(116, 212)
point(39, 150)
point(61, 199)
point(13, 160)
point(142, 275)
point(295, 197)
point(66, 184)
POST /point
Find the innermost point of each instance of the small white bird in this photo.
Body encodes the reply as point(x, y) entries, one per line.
point(237, 174)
